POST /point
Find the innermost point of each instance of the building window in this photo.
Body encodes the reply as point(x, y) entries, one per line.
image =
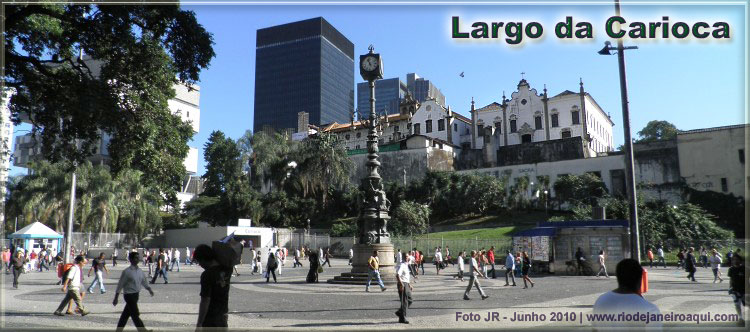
point(441, 124)
point(526, 138)
point(566, 134)
point(512, 126)
point(742, 156)
point(188, 114)
point(359, 134)
point(455, 127)
point(395, 129)
point(575, 117)
point(724, 185)
point(497, 127)
point(538, 122)
point(555, 122)
point(416, 129)
point(428, 126)
point(347, 137)
point(480, 130)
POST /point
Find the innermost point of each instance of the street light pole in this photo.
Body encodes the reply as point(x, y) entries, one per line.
point(71, 211)
point(628, 145)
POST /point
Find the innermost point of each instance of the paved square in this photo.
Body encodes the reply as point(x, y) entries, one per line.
point(292, 304)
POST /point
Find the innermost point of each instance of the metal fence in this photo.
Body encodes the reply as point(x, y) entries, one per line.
point(103, 240)
point(722, 245)
point(427, 245)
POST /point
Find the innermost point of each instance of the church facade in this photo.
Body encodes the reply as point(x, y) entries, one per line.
point(530, 117)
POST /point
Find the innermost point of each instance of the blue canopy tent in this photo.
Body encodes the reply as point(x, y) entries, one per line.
point(35, 236)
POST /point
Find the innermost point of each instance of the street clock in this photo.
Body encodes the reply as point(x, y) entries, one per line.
point(371, 65)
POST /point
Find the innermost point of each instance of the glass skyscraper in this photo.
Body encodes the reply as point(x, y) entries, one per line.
point(388, 95)
point(305, 66)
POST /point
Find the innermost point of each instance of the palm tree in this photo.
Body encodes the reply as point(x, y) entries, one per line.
point(323, 164)
point(138, 205)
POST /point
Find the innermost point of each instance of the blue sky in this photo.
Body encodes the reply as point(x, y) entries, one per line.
point(691, 83)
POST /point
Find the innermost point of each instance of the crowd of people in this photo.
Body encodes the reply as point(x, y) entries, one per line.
point(474, 266)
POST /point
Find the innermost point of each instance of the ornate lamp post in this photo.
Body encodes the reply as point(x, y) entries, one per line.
point(373, 218)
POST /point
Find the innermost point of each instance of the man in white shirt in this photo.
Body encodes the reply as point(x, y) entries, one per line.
point(296, 258)
point(351, 255)
point(602, 264)
point(461, 264)
point(72, 287)
point(278, 260)
point(187, 256)
point(176, 260)
point(404, 288)
point(438, 259)
point(473, 271)
point(660, 254)
point(398, 257)
point(131, 281)
point(629, 308)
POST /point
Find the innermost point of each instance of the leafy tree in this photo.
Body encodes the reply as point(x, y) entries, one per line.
point(322, 164)
point(134, 57)
point(245, 145)
point(202, 208)
point(223, 163)
point(344, 228)
point(410, 218)
point(270, 153)
point(578, 189)
point(656, 130)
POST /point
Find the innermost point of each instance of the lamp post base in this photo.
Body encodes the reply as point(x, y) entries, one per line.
point(360, 267)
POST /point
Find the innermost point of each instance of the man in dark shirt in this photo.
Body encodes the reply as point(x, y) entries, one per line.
point(737, 284)
point(214, 306)
point(17, 265)
point(98, 267)
point(580, 258)
point(161, 267)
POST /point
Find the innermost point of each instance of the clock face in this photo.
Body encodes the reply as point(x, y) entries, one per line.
point(370, 63)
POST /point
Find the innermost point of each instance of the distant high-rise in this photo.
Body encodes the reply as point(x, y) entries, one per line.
point(388, 94)
point(305, 66)
point(423, 89)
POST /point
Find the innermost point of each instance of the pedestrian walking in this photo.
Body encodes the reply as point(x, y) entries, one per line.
point(160, 268)
point(131, 281)
point(650, 256)
point(519, 265)
point(473, 271)
point(351, 255)
point(626, 299)
point(525, 269)
point(485, 263)
point(716, 265)
point(438, 258)
point(461, 263)
point(271, 264)
point(259, 263)
point(404, 289)
point(328, 257)
point(72, 287)
point(510, 265)
point(660, 256)
point(373, 264)
point(296, 258)
point(114, 257)
point(448, 258)
point(690, 264)
point(704, 257)
point(189, 261)
point(412, 263)
point(43, 259)
point(279, 260)
point(213, 310)
point(602, 264)
point(580, 259)
point(321, 255)
point(17, 264)
point(150, 261)
point(99, 268)
point(421, 261)
point(737, 280)
point(681, 259)
point(6, 260)
point(491, 259)
point(176, 260)
point(397, 257)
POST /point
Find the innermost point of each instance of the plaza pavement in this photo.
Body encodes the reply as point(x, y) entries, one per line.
point(292, 304)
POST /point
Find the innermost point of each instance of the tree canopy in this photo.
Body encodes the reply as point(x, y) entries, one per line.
point(133, 55)
point(656, 130)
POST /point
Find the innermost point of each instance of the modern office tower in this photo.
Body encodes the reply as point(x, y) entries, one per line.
point(422, 89)
point(305, 66)
point(388, 94)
